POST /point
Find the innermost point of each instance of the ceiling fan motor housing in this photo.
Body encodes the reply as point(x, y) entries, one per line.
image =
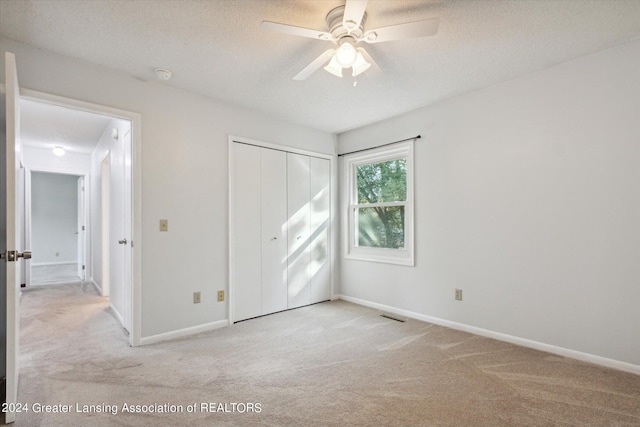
point(338, 30)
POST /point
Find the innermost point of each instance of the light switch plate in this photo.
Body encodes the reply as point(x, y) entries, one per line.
point(164, 225)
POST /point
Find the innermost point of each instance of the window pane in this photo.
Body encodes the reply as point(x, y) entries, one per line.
point(381, 227)
point(382, 182)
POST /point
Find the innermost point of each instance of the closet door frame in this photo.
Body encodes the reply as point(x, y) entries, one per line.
point(233, 140)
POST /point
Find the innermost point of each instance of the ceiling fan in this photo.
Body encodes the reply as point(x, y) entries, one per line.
point(346, 26)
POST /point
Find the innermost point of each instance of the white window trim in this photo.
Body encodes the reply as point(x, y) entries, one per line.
point(390, 256)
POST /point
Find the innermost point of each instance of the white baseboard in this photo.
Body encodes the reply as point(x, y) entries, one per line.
point(561, 351)
point(42, 264)
point(117, 314)
point(95, 285)
point(184, 332)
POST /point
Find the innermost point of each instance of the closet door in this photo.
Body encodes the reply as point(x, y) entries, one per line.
point(299, 227)
point(320, 268)
point(247, 248)
point(273, 183)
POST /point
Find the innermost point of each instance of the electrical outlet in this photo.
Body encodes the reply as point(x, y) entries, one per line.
point(164, 225)
point(196, 297)
point(458, 294)
point(220, 296)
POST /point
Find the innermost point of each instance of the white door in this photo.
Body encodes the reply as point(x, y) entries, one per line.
point(320, 267)
point(280, 204)
point(81, 229)
point(246, 247)
point(120, 268)
point(10, 241)
point(299, 228)
point(273, 179)
point(259, 203)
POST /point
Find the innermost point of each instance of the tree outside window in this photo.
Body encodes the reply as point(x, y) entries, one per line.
point(382, 193)
point(380, 206)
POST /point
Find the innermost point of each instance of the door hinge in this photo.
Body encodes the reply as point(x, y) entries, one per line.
point(83, 267)
point(83, 228)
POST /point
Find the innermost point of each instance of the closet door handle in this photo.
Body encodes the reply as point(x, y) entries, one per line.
point(274, 238)
point(122, 242)
point(299, 237)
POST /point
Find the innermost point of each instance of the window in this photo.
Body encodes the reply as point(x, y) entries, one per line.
point(381, 204)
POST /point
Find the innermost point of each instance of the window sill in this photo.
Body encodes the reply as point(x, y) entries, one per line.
point(381, 256)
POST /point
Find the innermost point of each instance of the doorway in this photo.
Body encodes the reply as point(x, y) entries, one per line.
point(55, 228)
point(101, 167)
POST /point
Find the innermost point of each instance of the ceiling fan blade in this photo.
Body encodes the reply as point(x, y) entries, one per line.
point(353, 13)
point(402, 31)
point(313, 67)
point(295, 31)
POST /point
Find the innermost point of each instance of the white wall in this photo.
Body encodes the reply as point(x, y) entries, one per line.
point(528, 199)
point(54, 218)
point(184, 177)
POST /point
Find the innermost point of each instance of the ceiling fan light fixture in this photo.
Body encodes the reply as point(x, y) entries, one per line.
point(346, 54)
point(361, 65)
point(334, 67)
point(59, 151)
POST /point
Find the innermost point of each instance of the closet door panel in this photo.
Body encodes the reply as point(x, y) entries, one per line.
point(320, 267)
point(298, 225)
point(247, 250)
point(274, 230)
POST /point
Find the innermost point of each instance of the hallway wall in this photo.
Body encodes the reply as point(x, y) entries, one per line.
point(54, 218)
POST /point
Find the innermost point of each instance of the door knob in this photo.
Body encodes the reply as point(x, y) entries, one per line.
point(12, 256)
point(122, 242)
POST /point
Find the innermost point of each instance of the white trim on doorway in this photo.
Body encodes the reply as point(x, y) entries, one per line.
point(136, 187)
point(28, 231)
point(104, 224)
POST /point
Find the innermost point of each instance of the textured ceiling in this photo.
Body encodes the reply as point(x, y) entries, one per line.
point(44, 125)
point(216, 48)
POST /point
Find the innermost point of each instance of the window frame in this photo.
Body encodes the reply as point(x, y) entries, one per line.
point(404, 256)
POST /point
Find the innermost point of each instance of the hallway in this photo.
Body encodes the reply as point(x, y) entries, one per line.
point(58, 273)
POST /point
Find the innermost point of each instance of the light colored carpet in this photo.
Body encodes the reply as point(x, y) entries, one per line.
point(330, 364)
point(55, 273)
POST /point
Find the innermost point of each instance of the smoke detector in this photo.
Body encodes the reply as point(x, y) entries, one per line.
point(163, 74)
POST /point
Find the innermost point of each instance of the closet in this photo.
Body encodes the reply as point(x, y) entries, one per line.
point(280, 253)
